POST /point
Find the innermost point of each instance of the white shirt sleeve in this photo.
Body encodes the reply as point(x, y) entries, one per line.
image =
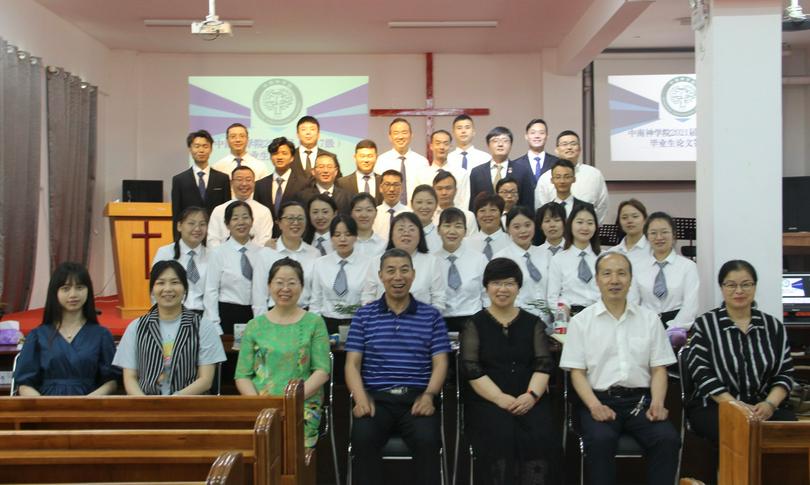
point(601, 202)
point(689, 308)
point(211, 296)
point(573, 353)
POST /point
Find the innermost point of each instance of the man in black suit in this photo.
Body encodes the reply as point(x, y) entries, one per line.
point(199, 185)
point(536, 159)
point(563, 176)
point(325, 172)
point(309, 131)
point(363, 179)
point(485, 177)
point(283, 183)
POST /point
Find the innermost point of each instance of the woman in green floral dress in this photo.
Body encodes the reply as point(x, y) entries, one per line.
point(286, 343)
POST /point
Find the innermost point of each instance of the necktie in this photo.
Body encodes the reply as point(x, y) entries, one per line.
point(341, 284)
point(660, 287)
point(390, 218)
point(247, 269)
point(403, 197)
point(498, 167)
point(201, 184)
point(563, 204)
point(453, 276)
point(533, 271)
point(192, 271)
point(277, 200)
point(309, 160)
point(536, 168)
point(320, 247)
point(488, 248)
point(367, 188)
point(554, 249)
point(584, 272)
point(464, 160)
point(238, 161)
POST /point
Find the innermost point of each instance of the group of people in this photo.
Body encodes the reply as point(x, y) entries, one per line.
point(404, 251)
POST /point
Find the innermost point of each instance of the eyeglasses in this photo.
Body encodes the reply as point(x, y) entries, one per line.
point(655, 234)
point(507, 192)
point(294, 219)
point(389, 185)
point(567, 144)
point(745, 285)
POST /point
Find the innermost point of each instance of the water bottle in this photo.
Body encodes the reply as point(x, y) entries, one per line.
point(560, 319)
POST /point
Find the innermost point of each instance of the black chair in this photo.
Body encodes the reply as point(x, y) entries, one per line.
point(686, 230)
point(397, 450)
point(627, 447)
point(609, 234)
point(328, 422)
point(460, 426)
point(13, 389)
point(216, 383)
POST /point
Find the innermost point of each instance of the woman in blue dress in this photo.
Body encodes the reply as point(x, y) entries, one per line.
point(69, 353)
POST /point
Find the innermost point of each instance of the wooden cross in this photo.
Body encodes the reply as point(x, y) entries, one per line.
point(429, 111)
point(146, 236)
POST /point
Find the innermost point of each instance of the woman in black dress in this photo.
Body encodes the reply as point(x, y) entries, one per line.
point(506, 361)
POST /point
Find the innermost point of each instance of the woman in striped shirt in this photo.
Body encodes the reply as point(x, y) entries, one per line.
point(738, 353)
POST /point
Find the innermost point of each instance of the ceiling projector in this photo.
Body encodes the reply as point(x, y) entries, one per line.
point(211, 26)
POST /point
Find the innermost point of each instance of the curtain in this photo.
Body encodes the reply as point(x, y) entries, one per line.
point(71, 117)
point(20, 133)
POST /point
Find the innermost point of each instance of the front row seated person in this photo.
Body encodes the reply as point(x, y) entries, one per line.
point(617, 353)
point(395, 391)
point(738, 353)
point(69, 353)
point(286, 342)
point(506, 360)
point(169, 351)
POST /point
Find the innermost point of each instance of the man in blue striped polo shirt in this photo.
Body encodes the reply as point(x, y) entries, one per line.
point(396, 363)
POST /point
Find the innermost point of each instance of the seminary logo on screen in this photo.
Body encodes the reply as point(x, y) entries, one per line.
point(679, 96)
point(277, 101)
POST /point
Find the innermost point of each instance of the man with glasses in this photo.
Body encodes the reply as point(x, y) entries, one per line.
point(484, 178)
point(392, 190)
point(563, 176)
point(588, 184)
point(242, 186)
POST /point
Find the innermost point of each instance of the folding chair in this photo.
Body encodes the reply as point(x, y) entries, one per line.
point(328, 423)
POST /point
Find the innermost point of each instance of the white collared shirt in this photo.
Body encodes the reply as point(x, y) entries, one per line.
point(303, 156)
point(616, 352)
point(361, 182)
point(564, 283)
point(638, 253)
point(227, 163)
point(194, 299)
point(567, 203)
point(382, 222)
point(469, 217)
point(326, 243)
point(475, 157)
point(682, 287)
point(324, 300)
point(305, 254)
point(493, 170)
point(429, 285)
point(372, 247)
point(478, 241)
point(206, 174)
point(462, 198)
point(533, 163)
point(261, 231)
point(274, 186)
point(471, 296)
point(589, 187)
point(533, 293)
point(415, 166)
point(546, 246)
point(224, 281)
point(432, 238)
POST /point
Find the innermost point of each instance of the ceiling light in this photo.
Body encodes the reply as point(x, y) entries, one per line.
point(443, 24)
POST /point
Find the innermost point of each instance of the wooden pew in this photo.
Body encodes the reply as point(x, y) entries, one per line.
point(754, 452)
point(179, 412)
point(81, 456)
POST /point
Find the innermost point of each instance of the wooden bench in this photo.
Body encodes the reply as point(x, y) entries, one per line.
point(81, 456)
point(179, 412)
point(754, 452)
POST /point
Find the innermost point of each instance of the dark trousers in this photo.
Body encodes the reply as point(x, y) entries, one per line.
point(230, 313)
point(705, 420)
point(659, 439)
point(393, 416)
point(455, 324)
point(332, 324)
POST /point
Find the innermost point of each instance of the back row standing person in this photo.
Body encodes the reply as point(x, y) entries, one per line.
point(401, 158)
point(485, 177)
point(238, 143)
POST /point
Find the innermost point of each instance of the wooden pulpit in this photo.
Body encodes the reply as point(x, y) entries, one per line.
point(138, 230)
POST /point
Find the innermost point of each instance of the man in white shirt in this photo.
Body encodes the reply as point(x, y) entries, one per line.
point(391, 188)
point(444, 183)
point(563, 177)
point(237, 138)
point(402, 159)
point(242, 187)
point(465, 155)
point(617, 353)
point(363, 179)
point(538, 161)
point(440, 146)
point(309, 131)
point(590, 184)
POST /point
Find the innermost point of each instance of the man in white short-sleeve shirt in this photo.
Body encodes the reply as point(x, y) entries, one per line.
point(617, 353)
point(237, 137)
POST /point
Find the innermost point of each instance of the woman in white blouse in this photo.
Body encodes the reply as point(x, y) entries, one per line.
point(630, 219)
point(424, 203)
point(532, 260)
point(490, 237)
point(229, 283)
point(572, 273)
point(338, 277)
point(667, 282)
point(190, 251)
point(550, 219)
point(462, 269)
point(364, 211)
point(321, 209)
point(428, 285)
